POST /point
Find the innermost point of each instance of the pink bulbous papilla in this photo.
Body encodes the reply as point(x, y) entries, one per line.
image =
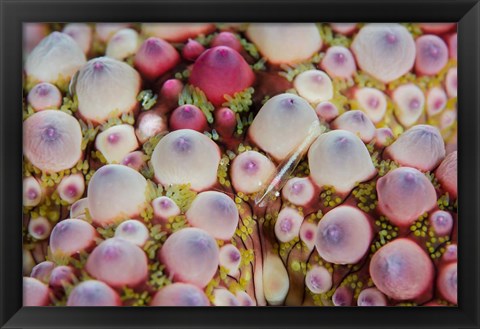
point(155, 57)
point(192, 50)
point(188, 117)
point(225, 122)
point(227, 39)
point(221, 71)
point(402, 270)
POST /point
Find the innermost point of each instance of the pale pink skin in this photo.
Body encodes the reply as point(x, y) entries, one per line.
point(155, 57)
point(123, 44)
point(82, 34)
point(436, 28)
point(409, 103)
point(78, 209)
point(104, 31)
point(150, 124)
point(446, 174)
point(245, 299)
point(448, 118)
point(288, 223)
point(314, 86)
point(342, 297)
point(223, 297)
point(404, 194)
point(383, 137)
point(450, 253)
point(432, 55)
point(340, 159)
point(344, 28)
point(135, 160)
point(385, 51)
point(118, 263)
point(164, 208)
point(169, 93)
point(299, 191)
point(402, 270)
point(326, 111)
point(214, 212)
point(122, 188)
point(176, 32)
point(116, 142)
point(219, 71)
point(192, 50)
point(32, 192)
point(188, 117)
point(186, 156)
point(451, 82)
point(282, 124)
point(409, 148)
point(356, 122)
point(133, 231)
point(39, 228)
point(61, 276)
point(71, 187)
point(371, 297)
point(44, 96)
point(42, 271)
point(71, 236)
point(93, 293)
point(447, 282)
point(230, 258)
point(318, 280)
point(97, 89)
point(338, 62)
point(35, 293)
point(55, 59)
point(441, 222)
point(373, 102)
point(436, 100)
point(343, 235)
point(180, 294)
point(33, 33)
point(251, 171)
point(52, 140)
point(281, 43)
point(191, 256)
point(308, 233)
point(452, 46)
point(227, 39)
point(225, 122)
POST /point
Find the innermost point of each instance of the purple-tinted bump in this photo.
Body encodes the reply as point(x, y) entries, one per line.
point(111, 253)
point(129, 228)
point(234, 256)
point(113, 138)
point(339, 58)
point(297, 188)
point(32, 194)
point(391, 38)
point(286, 225)
point(182, 144)
point(414, 104)
point(373, 102)
point(250, 167)
point(50, 134)
point(71, 191)
point(333, 234)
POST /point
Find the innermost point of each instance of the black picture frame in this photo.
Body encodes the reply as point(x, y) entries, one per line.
point(14, 12)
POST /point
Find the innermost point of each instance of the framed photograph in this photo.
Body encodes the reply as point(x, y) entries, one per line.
point(239, 164)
